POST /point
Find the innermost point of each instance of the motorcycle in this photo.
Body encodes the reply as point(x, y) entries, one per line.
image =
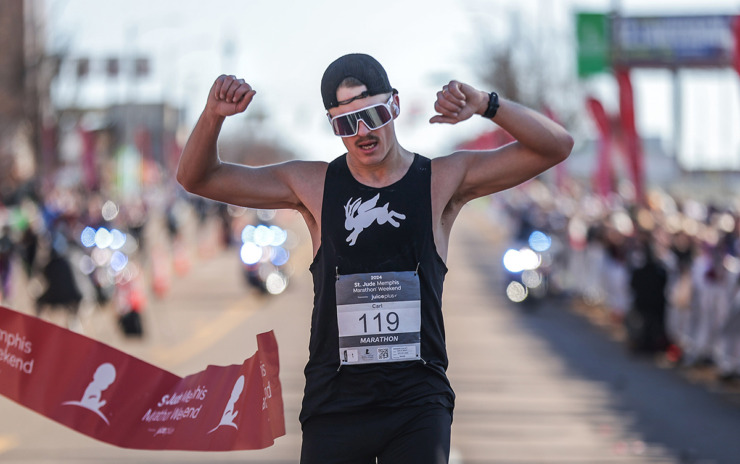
point(265, 256)
point(527, 269)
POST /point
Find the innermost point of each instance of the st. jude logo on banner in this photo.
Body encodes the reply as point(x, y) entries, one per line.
point(119, 399)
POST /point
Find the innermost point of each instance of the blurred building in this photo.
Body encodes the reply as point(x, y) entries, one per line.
point(120, 149)
point(114, 145)
point(46, 142)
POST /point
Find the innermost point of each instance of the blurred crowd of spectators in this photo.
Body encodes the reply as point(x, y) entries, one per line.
point(70, 249)
point(666, 270)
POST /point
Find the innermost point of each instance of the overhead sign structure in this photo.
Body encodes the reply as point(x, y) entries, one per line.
point(592, 32)
point(616, 44)
point(610, 41)
point(673, 41)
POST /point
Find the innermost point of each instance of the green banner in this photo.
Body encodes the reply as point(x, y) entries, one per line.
point(592, 33)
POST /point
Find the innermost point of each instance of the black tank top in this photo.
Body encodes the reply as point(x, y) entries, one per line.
point(400, 240)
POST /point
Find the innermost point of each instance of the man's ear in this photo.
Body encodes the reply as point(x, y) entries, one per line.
point(395, 106)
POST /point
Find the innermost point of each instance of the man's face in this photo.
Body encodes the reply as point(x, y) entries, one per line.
point(367, 146)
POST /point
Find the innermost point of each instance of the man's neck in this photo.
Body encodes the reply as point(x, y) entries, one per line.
point(390, 170)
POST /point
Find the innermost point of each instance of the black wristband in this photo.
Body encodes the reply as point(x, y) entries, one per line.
point(492, 106)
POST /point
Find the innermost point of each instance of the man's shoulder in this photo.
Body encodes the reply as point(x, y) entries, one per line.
point(306, 177)
point(447, 164)
point(448, 174)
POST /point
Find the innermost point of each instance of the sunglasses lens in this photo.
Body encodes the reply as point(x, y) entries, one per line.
point(345, 125)
point(374, 117)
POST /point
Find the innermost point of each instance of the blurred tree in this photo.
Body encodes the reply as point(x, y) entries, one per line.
point(501, 71)
point(247, 141)
point(527, 59)
point(26, 71)
point(252, 151)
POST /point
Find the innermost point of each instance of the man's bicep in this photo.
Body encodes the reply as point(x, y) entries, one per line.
point(492, 171)
point(262, 187)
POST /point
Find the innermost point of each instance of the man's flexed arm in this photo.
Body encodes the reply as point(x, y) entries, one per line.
point(228, 96)
point(202, 172)
point(540, 142)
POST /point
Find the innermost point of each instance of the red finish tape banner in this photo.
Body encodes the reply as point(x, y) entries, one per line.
point(119, 399)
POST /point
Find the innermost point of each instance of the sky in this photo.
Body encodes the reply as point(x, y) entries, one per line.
point(282, 47)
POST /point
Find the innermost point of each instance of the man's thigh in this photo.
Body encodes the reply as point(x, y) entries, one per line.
point(424, 438)
point(336, 439)
point(395, 436)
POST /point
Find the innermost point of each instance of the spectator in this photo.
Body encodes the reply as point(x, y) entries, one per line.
point(61, 290)
point(6, 258)
point(648, 283)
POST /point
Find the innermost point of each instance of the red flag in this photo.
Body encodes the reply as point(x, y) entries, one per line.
point(49, 144)
point(560, 173)
point(118, 399)
point(172, 152)
point(632, 143)
point(89, 161)
point(603, 175)
point(143, 142)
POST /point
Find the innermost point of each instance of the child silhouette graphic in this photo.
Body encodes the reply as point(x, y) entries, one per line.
point(104, 376)
point(229, 413)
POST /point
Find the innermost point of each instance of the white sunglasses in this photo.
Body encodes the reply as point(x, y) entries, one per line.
point(374, 117)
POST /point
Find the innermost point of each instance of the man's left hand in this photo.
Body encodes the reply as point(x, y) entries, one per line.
point(457, 102)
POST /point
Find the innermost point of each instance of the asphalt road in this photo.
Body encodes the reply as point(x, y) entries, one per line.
point(543, 387)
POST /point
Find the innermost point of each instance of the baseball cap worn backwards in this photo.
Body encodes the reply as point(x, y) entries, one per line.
point(364, 68)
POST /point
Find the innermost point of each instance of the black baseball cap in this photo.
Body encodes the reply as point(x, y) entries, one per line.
point(364, 68)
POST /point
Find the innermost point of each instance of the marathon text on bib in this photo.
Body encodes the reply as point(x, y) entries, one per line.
point(379, 317)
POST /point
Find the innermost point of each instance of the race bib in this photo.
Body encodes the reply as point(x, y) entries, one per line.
point(379, 317)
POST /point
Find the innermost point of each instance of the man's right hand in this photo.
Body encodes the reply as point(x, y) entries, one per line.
point(229, 96)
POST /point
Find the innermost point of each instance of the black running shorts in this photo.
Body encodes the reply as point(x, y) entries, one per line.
point(419, 434)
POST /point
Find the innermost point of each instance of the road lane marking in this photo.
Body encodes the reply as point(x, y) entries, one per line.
point(228, 320)
point(207, 335)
